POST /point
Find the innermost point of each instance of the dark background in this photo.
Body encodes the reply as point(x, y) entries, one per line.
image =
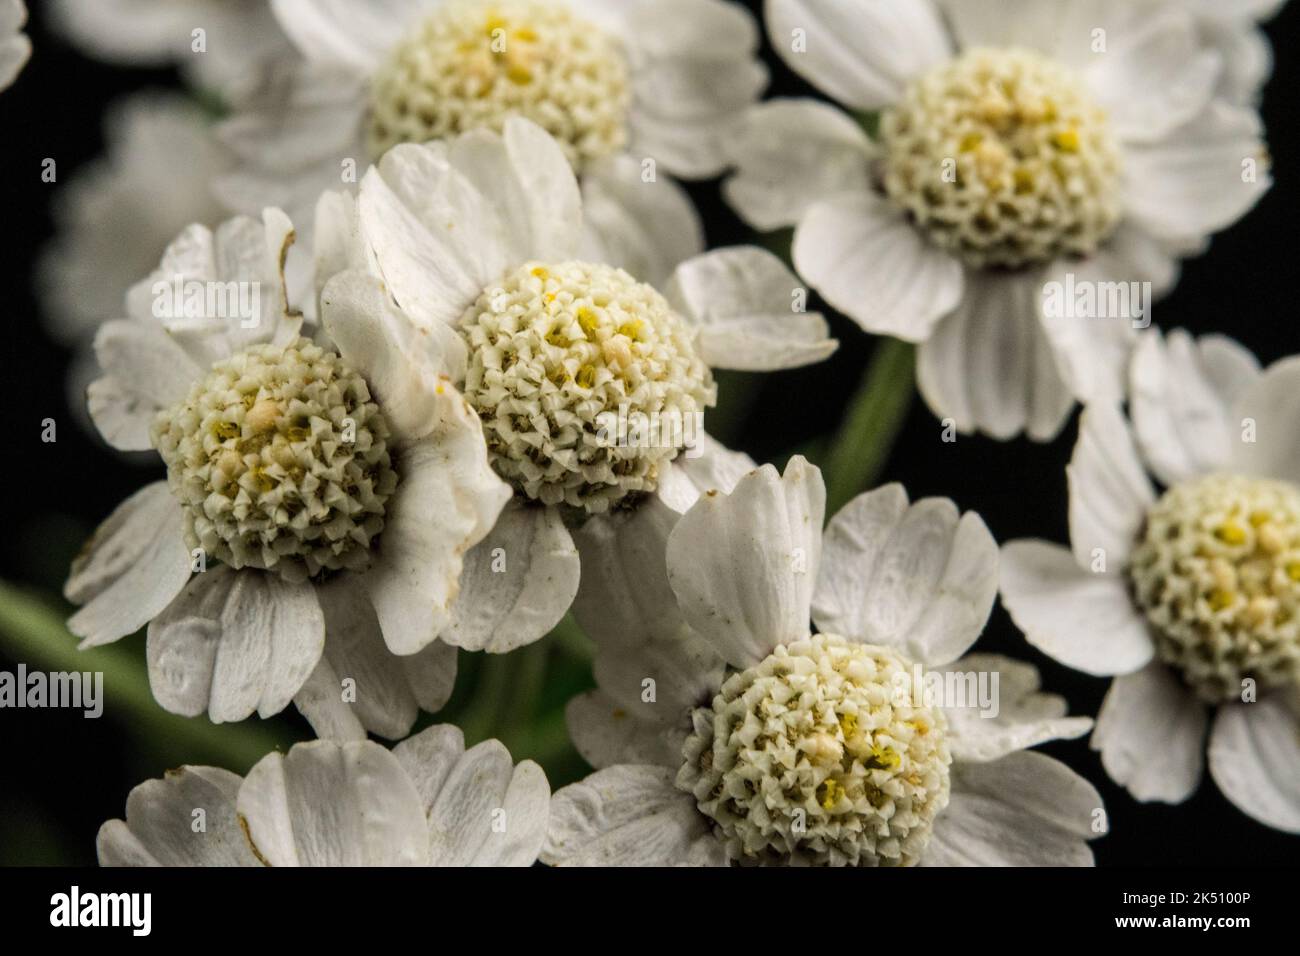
point(61, 776)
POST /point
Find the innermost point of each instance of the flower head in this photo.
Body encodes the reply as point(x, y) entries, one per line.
point(727, 732)
point(591, 381)
point(1187, 598)
point(319, 480)
point(1016, 151)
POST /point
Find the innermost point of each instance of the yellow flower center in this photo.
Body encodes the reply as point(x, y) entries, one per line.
point(1001, 158)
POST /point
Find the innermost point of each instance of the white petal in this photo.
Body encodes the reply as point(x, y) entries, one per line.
point(694, 147)
point(747, 307)
point(401, 363)
point(434, 236)
point(352, 33)
point(989, 367)
point(1191, 182)
point(1254, 756)
point(645, 228)
point(524, 175)
point(627, 607)
point(706, 464)
point(321, 701)
point(678, 27)
point(606, 733)
point(427, 758)
point(487, 809)
point(517, 583)
point(385, 692)
point(446, 502)
point(1109, 491)
point(743, 564)
point(860, 52)
point(1061, 30)
point(1024, 717)
point(159, 827)
point(15, 51)
point(920, 578)
point(1084, 620)
point(868, 261)
point(1023, 810)
point(1182, 395)
point(521, 831)
point(628, 815)
point(688, 110)
point(146, 361)
point(790, 154)
point(131, 569)
point(1267, 442)
point(235, 642)
point(1151, 734)
point(122, 417)
point(328, 804)
point(1155, 75)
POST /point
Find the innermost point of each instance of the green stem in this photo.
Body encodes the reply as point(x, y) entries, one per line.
point(516, 713)
point(572, 641)
point(33, 632)
point(875, 416)
point(495, 675)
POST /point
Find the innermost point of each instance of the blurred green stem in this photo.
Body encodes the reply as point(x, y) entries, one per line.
point(33, 632)
point(874, 418)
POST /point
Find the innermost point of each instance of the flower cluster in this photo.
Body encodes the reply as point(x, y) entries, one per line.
point(423, 328)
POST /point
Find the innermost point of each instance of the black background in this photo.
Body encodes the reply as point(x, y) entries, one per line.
point(61, 776)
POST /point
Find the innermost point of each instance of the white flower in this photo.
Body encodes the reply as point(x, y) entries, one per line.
point(240, 39)
point(322, 481)
point(428, 802)
point(481, 240)
point(15, 48)
point(117, 216)
point(1021, 147)
point(1191, 599)
point(663, 81)
point(726, 732)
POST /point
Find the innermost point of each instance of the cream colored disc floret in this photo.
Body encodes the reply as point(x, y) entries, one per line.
point(558, 354)
point(820, 754)
point(1001, 157)
point(1217, 574)
point(473, 64)
point(280, 461)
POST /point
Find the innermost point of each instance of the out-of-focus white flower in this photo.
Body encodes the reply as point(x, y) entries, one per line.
point(115, 218)
point(324, 483)
point(726, 732)
point(662, 81)
point(1023, 147)
point(226, 46)
point(428, 802)
point(1191, 598)
point(15, 48)
point(591, 379)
